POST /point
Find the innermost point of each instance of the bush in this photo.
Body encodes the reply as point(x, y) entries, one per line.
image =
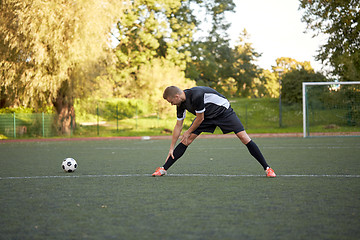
point(17, 110)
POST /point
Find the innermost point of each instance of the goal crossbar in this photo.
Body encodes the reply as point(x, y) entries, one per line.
point(304, 84)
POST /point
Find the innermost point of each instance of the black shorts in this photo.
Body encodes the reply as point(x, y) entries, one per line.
point(227, 122)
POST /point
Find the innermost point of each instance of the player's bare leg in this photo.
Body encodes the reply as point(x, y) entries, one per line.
point(244, 137)
point(255, 152)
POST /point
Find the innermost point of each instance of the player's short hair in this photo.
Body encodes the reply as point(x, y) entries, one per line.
point(171, 91)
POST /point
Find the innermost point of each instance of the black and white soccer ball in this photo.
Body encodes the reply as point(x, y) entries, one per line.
point(69, 165)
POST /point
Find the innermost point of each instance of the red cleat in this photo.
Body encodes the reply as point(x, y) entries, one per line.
point(160, 171)
point(270, 172)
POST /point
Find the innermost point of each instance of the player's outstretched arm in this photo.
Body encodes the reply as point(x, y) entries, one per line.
point(176, 134)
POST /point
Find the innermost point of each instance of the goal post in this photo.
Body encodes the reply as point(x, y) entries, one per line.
point(331, 108)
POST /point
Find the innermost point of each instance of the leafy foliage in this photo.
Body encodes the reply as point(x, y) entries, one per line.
point(211, 54)
point(270, 84)
point(49, 46)
point(291, 74)
point(292, 84)
point(154, 77)
point(52, 51)
point(87, 110)
point(287, 64)
point(151, 51)
point(339, 20)
point(246, 73)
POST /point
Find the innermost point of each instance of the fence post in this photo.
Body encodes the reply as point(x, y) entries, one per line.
point(158, 119)
point(43, 124)
point(71, 125)
point(117, 118)
point(136, 117)
point(14, 125)
point(97, 113)
point(246, 115)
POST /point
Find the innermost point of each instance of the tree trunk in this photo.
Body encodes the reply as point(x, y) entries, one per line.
point(2, 98)
point(65, 118)
point(65, 110)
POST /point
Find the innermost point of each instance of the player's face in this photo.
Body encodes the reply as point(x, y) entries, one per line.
point(174, 100)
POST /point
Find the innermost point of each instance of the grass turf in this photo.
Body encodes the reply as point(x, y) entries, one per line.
point(99, 202)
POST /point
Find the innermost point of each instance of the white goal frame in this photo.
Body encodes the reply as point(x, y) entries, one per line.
point(304, 85)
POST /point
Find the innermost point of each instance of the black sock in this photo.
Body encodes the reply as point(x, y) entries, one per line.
point(255, 152)
point(178, 152)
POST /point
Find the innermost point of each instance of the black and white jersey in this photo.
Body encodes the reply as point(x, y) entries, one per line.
point(203, 100)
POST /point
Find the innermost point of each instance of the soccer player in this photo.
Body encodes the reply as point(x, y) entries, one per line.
point(211, 109)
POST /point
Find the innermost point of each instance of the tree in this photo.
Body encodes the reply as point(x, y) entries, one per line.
point(161, 33)
point(339, 21)
point(289, 64)
point(211, 63)
point(148, 31)
point(211, 55)
point(270, 83)
point(246, 73)
point(51, 52)
point(292, 84)
point(153, 77)
point(293, 74)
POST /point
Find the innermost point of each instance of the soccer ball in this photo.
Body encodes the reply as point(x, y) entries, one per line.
point(69, 165)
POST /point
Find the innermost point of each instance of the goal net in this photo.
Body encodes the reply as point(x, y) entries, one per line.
point(331, 108)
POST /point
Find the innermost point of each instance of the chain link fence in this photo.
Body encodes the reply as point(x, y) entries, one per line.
point(100, 122)
point(101, 118)
point(27, 125)
point(132, 119)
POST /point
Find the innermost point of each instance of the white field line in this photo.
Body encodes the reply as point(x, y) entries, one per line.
point(182, 175)
point(355, 146)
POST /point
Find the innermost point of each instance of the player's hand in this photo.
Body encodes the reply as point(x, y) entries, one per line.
point(171, 154)
point(185, 137)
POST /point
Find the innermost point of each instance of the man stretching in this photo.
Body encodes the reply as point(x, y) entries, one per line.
point(211, 110)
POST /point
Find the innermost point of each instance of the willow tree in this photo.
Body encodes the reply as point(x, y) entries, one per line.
point(52, 51)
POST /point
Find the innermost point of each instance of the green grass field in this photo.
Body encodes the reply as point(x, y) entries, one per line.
point(216, 191)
